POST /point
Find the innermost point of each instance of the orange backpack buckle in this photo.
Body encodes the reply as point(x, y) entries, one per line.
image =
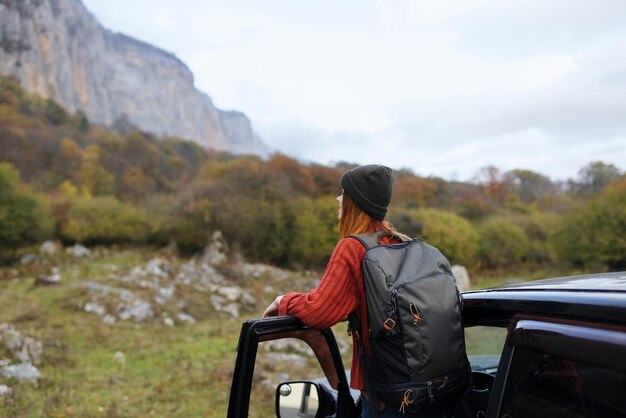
point(389, 324)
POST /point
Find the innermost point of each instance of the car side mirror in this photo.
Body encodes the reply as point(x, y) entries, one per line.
point(303, 399)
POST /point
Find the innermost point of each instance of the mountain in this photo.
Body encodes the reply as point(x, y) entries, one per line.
point(57, 49)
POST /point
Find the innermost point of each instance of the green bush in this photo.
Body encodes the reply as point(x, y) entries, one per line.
point(190, 229)
point(24, 218)
point(451, 234)
point(314, 232)
point(595, 232)
point(502, 243)
point(266, 233)
point(260, 228)
point(104, 220)
point(537, 227)
point(162, 219)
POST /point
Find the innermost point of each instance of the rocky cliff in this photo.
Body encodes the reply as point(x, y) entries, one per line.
point(57, 49)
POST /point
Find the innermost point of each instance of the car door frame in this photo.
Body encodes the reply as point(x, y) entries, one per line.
point(252, 331)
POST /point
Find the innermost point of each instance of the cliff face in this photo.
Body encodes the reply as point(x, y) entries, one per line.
point(57, 49)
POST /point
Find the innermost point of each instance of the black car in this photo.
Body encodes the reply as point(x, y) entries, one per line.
point(563, 355)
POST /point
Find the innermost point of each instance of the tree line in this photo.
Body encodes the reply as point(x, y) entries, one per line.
point(64, 178)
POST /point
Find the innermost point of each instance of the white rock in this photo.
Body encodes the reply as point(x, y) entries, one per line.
point(28, 259)
point(166, 293)
point(186, 318)
point(78, 250)
point(215, 253)
point(294, 359)
point(24, 348)
point(49, 248)
point(52, 279)
point(95, 308)
point(30, 351)
point(138, 309)
point(120, 358)
point(24, 372)
point(168, 321)
point(231, 293)
point(97, 287)
point(108, 319)
point(462, 277)
point(222, 305)
point(5, 390)
point(158, 267)
point(286, 344)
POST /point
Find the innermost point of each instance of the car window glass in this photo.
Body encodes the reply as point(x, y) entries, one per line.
point(542, 385)
point(278, 361)
point(484, 346)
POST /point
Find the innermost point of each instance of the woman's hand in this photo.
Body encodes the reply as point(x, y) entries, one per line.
point(272, 310)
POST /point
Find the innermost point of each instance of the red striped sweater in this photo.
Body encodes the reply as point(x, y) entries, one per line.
point(340, 292)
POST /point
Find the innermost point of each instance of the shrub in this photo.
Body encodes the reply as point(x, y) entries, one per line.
point(24, 218)
point(314, 231)
point(452, 235)
point(537, 227)
point(104, 220)
point(191, 228)
point(595, 232)
point(502, 243)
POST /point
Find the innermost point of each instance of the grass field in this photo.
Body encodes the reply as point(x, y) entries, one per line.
point(128, 369)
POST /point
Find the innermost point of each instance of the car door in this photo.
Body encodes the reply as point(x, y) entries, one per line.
point(553, 367)
point(321, 342)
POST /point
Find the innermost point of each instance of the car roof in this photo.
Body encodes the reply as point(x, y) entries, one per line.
point(597, 297)
point(598, 282)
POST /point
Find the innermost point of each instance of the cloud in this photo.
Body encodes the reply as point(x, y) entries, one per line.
point(441, 86)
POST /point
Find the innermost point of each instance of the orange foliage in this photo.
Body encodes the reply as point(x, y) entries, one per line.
point(414, 192)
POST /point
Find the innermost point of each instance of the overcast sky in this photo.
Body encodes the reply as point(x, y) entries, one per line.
point(441, 87)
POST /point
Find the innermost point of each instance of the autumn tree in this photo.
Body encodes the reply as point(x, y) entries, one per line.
point(413, 192)
point(495, 184)
point(23, 219)
point(93, 178)
point(595, 176)
point(529, 185)
point(290, 176)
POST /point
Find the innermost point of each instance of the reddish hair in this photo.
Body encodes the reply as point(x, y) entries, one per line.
point(355, 221)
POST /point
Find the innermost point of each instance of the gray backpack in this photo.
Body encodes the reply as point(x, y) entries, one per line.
point(418, 359)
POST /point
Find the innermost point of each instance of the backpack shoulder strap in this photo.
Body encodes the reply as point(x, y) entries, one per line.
point(368, 240)
point(372, 240)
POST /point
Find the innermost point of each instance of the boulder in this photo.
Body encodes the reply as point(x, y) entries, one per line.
point(47, 280)
point(158, 267)
point(28, 259)
point(183, 317)
point(462, 277)
point(215, 253)
point(78, 250)
point(24, 372)
point(26, 349)
point(5, 390)
point(138, 309)
point(49, 248)
point(95, 308)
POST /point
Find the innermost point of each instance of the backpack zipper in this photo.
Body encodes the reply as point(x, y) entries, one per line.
point(416, 280)
point(390, 323)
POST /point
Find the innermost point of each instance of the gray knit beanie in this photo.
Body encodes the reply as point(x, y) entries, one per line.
point(370, 187)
